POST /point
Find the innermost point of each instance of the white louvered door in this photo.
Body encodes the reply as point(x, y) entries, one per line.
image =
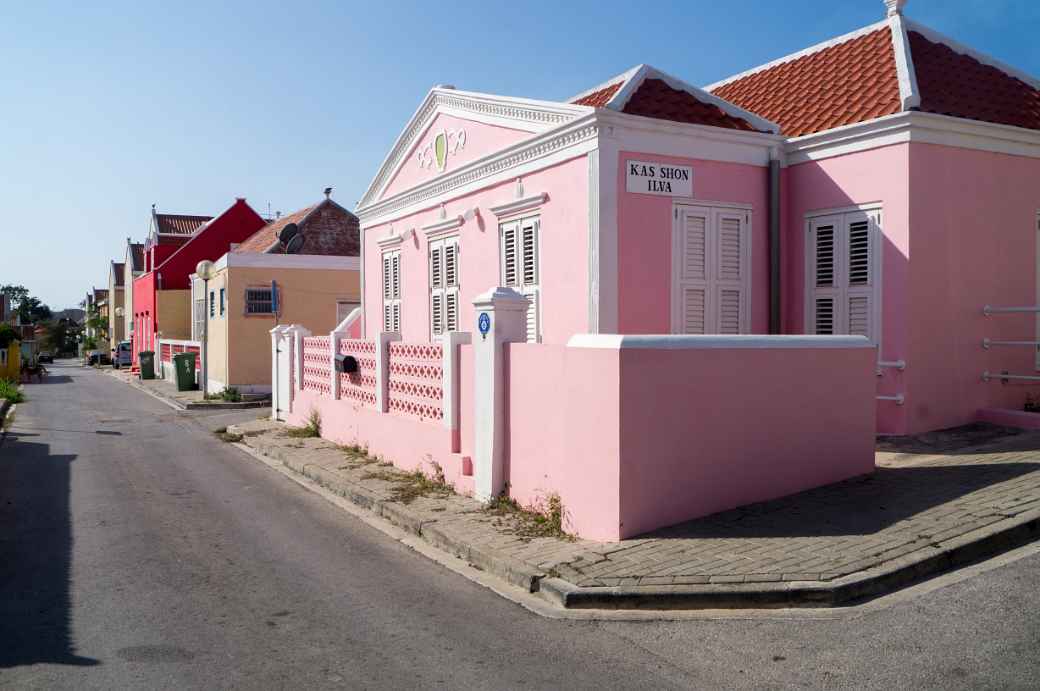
point(842, 274)
point(520, 267)
point(392, 291)
point(444, 286)
point(711, 255)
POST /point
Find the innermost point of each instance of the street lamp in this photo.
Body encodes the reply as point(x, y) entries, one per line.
point(205, 271)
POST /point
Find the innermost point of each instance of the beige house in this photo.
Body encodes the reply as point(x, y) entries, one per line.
point(258, 286)
point(116, 301)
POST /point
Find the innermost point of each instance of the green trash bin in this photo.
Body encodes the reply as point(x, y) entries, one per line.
point(146, 358)
point(184, 367)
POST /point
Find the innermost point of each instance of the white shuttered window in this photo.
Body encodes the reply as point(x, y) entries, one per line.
point(444, 285)
point(711, 255)
point(520, 267)
point(392, 291)
point(842, 272)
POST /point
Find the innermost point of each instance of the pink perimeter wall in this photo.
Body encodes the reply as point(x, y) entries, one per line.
point(638, 439)
point(481, 140)
point(563, 244)
point(974, 242)
point(876, 176)
point(645, 240)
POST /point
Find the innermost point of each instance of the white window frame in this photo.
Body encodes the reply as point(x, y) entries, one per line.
point(842, 218)
point(713, 211)
point(391, 284)
point(439, 285)
point(532, 289)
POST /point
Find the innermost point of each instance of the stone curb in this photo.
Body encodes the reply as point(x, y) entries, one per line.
point(437, 534)
point(201, 405)
point(893, 575)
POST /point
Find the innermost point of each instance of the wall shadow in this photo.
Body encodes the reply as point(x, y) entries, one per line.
point(860, 506)
point(35, 555)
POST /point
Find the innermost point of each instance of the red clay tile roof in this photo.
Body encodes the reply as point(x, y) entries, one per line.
point(655, 99)
point(263, 239)
point(838, 85)
point(179, 224)
point(117, 268)
point(951, 83)
point(137, 256)
point(600, 98)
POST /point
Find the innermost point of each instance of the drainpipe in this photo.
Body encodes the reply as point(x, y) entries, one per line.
point(774, 241)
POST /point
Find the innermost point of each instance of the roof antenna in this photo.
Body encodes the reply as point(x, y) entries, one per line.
point(328, 192)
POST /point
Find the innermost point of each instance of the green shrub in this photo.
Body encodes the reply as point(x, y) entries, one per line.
point(9, 390)
point(311, 429)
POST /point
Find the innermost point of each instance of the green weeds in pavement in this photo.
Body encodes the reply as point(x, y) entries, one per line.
point(229, 437)
point(311, 429)
point(10, 391)
point(406, 487)
point(544, 519)
point(228, 395)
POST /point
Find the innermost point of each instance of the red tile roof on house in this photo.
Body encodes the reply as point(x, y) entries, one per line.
point(117, 268)
point(327, 228)
point(179, 224)
point(856, 78)
point(137, 256)
point(852, 81)
point(267, 237)
point(951, 83)
point(648, 92)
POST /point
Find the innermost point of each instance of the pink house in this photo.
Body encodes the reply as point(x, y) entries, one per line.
point(659, 301)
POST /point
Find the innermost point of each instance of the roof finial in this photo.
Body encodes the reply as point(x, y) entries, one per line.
point(895, 7)
point(328, 192)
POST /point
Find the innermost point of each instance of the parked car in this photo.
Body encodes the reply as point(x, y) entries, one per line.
point(121, 355)
point(45, 356)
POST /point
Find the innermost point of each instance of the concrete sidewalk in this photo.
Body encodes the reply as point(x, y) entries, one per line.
point(918, 515)
point(181, 400)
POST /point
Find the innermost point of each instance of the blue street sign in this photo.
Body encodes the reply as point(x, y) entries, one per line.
point(484, 323)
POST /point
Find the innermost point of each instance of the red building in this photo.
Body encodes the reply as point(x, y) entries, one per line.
point(176, 244)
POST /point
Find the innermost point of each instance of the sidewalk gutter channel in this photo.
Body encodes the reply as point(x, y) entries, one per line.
point(847, 591)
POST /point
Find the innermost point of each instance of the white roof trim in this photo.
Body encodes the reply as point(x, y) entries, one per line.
point(936, 37)
point(802, 53)
point(711, 342)
point(260, 260)
point(909, 94)
point(621, 78)
point(517, 113)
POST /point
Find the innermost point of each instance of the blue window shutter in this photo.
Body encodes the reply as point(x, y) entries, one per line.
point(274, 297)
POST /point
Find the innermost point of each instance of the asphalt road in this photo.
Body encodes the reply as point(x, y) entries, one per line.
point(137, 551)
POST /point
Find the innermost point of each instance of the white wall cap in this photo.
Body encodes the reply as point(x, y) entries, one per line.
point(501, 297)
point(677, 342)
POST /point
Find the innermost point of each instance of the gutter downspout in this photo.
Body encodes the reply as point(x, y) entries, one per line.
point(774, 241)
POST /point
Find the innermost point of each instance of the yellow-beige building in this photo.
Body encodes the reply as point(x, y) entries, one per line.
point(259, 285)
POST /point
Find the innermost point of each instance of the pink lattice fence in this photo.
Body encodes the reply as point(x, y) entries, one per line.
point(415, 383)
point(317, 365)
point(359, 386)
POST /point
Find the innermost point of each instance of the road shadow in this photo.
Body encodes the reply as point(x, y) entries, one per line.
point(52, 379)
point(955, 441)
point(860, 506)
point(35, 556)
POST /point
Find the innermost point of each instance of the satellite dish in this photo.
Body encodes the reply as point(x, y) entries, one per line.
point(288, 233)
point(295, 244)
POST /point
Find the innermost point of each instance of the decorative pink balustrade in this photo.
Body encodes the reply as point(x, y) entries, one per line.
point(317, 365)
point(415, 382)
point(359, 386)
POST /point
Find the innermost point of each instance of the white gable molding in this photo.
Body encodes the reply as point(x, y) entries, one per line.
point(619, 79)
point(566, 141)
point(801, 54)
point(936, 37)
point(914, 126)
point(909, 95)
point(515, 113)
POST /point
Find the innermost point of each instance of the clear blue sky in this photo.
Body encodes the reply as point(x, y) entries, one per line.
point(104, 111)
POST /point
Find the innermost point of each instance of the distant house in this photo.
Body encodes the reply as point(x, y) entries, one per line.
point(176, 244)
point(258, 285)
point(133, 267)
point(116, 313)
point(10, 360)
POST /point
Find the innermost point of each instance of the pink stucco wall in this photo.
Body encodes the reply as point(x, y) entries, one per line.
point(875, 176)
point(481, 140)
point(973, 242)
point(563, 262)
point(645, 240)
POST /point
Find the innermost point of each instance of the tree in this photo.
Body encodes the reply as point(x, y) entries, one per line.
point(7, 335)
point(29, 309)
point(62, 336)
point(15, 294)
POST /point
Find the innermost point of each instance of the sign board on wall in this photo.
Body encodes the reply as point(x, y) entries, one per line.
point(665, 179)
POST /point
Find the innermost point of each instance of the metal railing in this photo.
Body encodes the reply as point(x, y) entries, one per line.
point(989, 310)
point(898, 399)
point(988, 376)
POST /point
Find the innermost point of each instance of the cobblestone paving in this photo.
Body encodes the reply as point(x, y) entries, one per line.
point(912, 503)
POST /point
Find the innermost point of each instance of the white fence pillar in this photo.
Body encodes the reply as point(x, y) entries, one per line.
point(450, 343)
point(278, 342)
point(383, 341)
point(298, 334)
point(501, 318)
point(334, 337)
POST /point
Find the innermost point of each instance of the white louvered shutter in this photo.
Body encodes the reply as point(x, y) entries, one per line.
point(693, 258)
point(451, 284)
point(436, 288)
point(510, 269)
point(520, 268)
point(392, 291)
point(730, 271)
point(842, 256)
